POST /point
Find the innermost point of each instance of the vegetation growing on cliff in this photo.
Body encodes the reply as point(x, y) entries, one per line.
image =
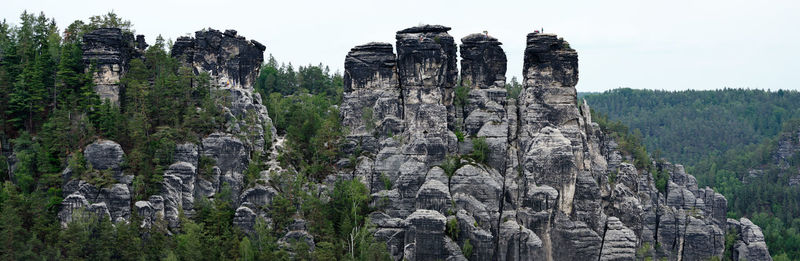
point(49, 113)
point(631, 146)
point(721, 136)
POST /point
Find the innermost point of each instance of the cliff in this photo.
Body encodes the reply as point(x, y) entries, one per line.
point(232, 62)
point(553, 186)
point(550, 185)
point(107, 52)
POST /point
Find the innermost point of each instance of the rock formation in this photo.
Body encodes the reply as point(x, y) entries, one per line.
point(233, 63)
point(229, 58)
point(107, 51)
point(750, 244)
point(554, 186)
point(103, 157)
point(372, 108)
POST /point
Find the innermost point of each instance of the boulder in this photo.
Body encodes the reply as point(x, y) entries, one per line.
point(619, 242)
point(428, 234)
point(105, 155)
point(750, 244)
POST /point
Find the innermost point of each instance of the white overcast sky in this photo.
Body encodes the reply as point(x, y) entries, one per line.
point(672, 45)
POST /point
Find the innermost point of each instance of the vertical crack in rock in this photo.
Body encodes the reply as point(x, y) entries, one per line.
point(603, 241)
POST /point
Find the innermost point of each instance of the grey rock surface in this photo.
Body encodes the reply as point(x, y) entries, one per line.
point(229, 58)
point(110, 51)
point(619, 242)
point(554, 186)
point(428, 234)
point(750, 244)
point(104, 155)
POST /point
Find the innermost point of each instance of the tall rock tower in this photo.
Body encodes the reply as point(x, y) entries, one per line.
point(108, 51)
point(426, 67)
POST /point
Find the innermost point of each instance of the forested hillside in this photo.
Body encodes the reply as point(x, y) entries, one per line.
point(113, 148)
point(740, 142)
point(49, 112)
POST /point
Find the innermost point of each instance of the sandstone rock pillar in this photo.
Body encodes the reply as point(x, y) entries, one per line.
point(426, 66)
point(371, 107)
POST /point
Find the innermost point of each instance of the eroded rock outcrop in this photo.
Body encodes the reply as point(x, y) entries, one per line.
point(112, 198)
point(371, 109)
point(108, 52)
point(233, 64)
point(553, 187)
point(427, 72)
point(750, 244)
point(228, 57)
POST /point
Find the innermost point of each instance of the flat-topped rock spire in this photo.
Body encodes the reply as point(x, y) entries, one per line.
point(426, 67)
point(229, 58)
point(108, 51)
point(483, 62)
point(371, 107)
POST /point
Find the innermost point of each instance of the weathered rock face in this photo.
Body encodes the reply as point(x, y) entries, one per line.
point(483, 62)
point(105, 155)
point(229, 58)
point(546, 191)
point(371, 108)
point(483, 69)
point(426, 67)
point(750, 244)
point(110, 50)
point(81, 197)
point(553, 187)
point(428, 234)
point(234, 63)
point(619, 242)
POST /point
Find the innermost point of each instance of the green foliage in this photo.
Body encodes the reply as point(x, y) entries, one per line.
point(281, 212)
point(49, 112)
point(689, 125)
point(721, 136)
point(387, 183)
point(253, 172)
point(632, 147)
point(450, 164)
point(480, 150)
point(459, 135)
point(452, 230)
point(461, 93)
point(643, 251)
point(283, 79)
point(349, 201)
point(730, 240)
point(612, 177)
point(205, 167)
point(25, 172)
point(368, 118)
point(513, 88)
point(661, 177)
point(313, 132)
point(466, 249)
